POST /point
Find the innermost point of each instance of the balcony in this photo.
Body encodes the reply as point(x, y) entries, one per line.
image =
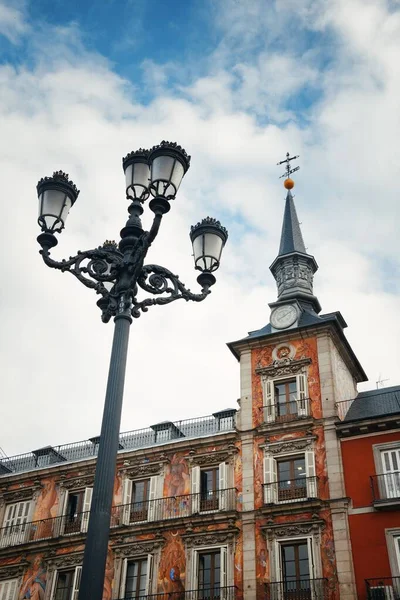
point(287, 492)
point(215, 593)
point(297, 589)
point(175, 507)
point(287, 411)
point(160, 509)
point(386, 490)
point(383, 588)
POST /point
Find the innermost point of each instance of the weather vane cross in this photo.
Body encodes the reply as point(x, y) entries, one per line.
point(289, 183)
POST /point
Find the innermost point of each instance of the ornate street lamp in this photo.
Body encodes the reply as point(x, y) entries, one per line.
point(117, 273)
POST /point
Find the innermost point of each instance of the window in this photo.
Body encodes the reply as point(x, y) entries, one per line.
point(66, 584)
point(14, 530)
point(8, 589)
point(285, 399)
point(76, 511)
point(209, 488)
point(209, 572)
point(292, 482)
point(391, 469)
point(136, 577)
point(295, 565)
point(139, 500)
point(290, 479)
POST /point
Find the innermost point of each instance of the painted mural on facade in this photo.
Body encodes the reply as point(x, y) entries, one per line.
point(34, 582)
point(172, 567)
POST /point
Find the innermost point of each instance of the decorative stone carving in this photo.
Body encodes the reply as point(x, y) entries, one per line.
point(214, 538)
point(18, 495)
point(134, 469)
point(293, 445)
point(283, 530)
point(54, 561)
point(212, 458)
point(135, 548)
point(75, 483)
point(283, 366)
point(11, 571)
point(282, 351)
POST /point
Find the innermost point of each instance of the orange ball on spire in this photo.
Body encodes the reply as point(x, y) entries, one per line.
point(288, 183)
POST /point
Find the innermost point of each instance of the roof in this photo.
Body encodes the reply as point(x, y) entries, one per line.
point(291, 237)
point(375, 403)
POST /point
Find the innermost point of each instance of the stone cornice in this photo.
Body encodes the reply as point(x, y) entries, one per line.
point(293, 445)
point(282, 367)
point(13, 570)
point(294, 528)
point(210, 538)
point(59, 561)
point(129, 546)
point(212, 458)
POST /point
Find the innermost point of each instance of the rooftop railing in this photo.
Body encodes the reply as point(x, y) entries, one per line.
point(383, 588)
point(386, 487)
point(160, 433)
point(160, 509)
point(297, 589)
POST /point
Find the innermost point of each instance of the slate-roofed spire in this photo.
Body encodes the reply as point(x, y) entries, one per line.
point(291, 237)
point(293, 269)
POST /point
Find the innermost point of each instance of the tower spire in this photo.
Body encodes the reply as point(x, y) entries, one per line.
point(293, 269)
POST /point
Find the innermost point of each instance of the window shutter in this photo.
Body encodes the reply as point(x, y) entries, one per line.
point(224, 570)
point(310, 472)
point(126, 501)
point(270, 479)
point(77, 580)
point(269, 400)
point(63, 515)
point(123, 577)
point(8, 589)
point(53, 585)
point(87, 501)
point(278, 565)
point(152, 512)
point(194, 571)
point(195, 489)
point(149, 576)
point(222, 487)
point(313, 574)
point(302, 394)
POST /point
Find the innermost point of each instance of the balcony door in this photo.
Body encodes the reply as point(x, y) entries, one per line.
point(285, 400)
point(296, 570)
point(391, 470)
point(292, 479)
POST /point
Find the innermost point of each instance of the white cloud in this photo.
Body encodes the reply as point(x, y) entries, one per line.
point(71, 111)
point(12, 21)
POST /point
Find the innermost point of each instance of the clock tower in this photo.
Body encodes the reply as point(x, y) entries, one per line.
point(293, 270)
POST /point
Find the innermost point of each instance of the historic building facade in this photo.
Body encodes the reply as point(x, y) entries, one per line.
point(369, 431)
point(242, 504)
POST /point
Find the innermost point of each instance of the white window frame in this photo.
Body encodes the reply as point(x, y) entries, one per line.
point(224, 480)
point(313, 556)
point(16, 537)
point(393, 547)
point(382, 483)
point(154, 494)
point(9, 592)
point(87, 502)
point(226, 565)
point(270, 463)
point(75, 583)
point(268, 387)
point(149, 573)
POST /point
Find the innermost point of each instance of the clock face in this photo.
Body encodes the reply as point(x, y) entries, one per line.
point(283, 316)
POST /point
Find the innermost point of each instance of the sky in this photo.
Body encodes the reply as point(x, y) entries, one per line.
point(237, 83)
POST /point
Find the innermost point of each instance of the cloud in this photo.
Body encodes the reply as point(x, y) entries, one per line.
point(13, 24)
point(67, 108)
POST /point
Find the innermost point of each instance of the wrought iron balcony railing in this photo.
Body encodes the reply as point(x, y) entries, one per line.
point(383, 588)
point(159, 509)
point(386, 487)
point(206, 593)
point(282, 412)
point(284, 492)
point(297, 589)
point(160, 433)
point(174, 507)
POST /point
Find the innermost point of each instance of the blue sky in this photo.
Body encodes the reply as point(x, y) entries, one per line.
point(238, 83)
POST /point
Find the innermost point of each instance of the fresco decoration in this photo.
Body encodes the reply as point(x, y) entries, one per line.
point(238, 476)
point(263, 357)
point(329, 568)
point(262, 561)
point(177, 486)
point(172, 567)
point(238, 567)
point(109, 575)
point(34, 583)
point(258, 472)
point(46, 509)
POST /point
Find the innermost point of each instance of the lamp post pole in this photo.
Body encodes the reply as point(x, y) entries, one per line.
point(116, 272)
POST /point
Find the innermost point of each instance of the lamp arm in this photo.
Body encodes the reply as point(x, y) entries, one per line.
point(154, 228)
point(158, 280)
point(90, 267)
